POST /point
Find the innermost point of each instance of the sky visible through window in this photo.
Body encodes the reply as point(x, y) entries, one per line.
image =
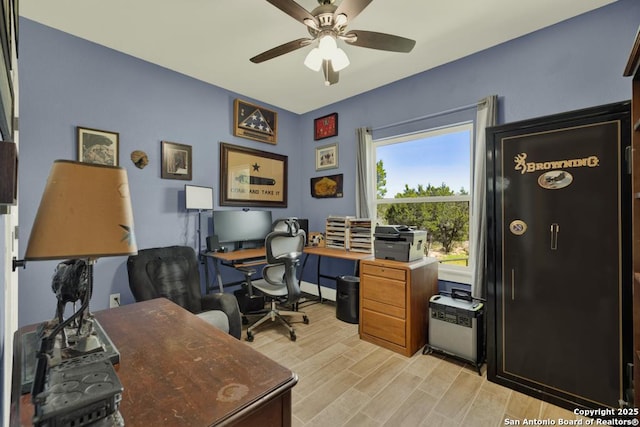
point(432, 160)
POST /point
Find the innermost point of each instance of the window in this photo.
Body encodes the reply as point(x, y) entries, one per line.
point(424, 181)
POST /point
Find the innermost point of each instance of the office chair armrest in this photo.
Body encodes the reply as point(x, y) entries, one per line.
point(289, 256)
point(228, 304)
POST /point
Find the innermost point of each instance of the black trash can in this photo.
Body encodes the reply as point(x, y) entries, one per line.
point(348, 298)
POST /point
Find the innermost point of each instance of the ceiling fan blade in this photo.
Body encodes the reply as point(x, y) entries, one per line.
point(296, 11)
point(281, 50)
point(351, 8)
point(380, 41)
point(330, 75)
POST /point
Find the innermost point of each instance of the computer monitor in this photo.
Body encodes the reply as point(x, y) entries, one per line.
point(240, 226)
point(304, 224)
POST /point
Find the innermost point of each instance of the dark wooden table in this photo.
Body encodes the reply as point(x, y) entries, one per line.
point(177, 369)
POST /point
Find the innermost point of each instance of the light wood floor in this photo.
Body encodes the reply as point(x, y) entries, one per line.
point(344, 381)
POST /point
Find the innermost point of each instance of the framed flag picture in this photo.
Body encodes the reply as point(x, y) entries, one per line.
point(254, 122)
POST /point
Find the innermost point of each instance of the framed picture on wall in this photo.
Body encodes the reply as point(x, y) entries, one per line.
point(325, 126)
point(324, 187)
point(254, 122)
point(327, 157)
point(251, 177)
point(98, 146)
point(176, 161)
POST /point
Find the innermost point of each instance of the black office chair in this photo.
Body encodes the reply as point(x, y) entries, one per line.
point(173, 273)
point(280, 285)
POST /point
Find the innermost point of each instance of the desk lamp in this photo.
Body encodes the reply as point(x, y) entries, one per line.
point(200, 199)
point(85, 214)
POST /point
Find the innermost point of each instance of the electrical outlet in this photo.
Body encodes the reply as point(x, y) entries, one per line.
point(114, 300)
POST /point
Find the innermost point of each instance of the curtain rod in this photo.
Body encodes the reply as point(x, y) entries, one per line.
point(428, 116)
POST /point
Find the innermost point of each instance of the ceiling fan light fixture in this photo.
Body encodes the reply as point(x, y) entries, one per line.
point(326, 24)
point(339, 60)
point(340, 20)
point(310, 23)
point(313, 60)
point(327, 46)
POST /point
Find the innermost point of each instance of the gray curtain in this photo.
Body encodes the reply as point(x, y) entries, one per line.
point(485, 117)
point(365, 175)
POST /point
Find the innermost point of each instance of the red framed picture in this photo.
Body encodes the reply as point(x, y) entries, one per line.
point(325, 126)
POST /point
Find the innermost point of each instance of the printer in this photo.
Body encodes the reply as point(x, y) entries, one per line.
point(399, 243)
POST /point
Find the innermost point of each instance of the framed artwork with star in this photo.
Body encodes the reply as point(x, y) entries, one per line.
point(250, 177)
point(254, 122)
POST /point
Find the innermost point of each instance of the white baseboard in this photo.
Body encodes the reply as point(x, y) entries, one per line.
point(312, 289)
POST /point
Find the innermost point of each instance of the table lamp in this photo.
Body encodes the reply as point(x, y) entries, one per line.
point(84, 214)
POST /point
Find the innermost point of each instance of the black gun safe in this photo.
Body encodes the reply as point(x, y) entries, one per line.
point(559, 257)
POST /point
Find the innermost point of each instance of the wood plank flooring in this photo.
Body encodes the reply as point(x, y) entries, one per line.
point(344, 381)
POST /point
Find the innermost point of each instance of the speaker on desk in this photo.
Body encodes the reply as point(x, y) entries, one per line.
point(212, 243)
point(304, 224)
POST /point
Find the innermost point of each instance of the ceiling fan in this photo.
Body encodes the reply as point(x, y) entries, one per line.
point(327, 23)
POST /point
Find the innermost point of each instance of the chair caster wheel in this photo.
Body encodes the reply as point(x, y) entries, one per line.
point(305, 319)
point(292, 335)
point(249, 337)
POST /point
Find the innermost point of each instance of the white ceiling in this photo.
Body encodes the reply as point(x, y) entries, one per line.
point(212, 40)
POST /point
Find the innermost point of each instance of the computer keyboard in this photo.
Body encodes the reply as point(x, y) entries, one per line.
point(254, 260)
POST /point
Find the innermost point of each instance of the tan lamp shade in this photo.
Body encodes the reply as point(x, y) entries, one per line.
point(85, 212)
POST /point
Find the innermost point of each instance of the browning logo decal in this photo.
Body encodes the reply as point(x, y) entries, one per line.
point(524, 167)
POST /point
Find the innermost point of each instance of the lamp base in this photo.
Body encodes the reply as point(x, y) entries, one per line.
point(81, 341)
point(31, 343)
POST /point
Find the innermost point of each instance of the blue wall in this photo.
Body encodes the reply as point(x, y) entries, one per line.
point(67, 82)
point(567, 66)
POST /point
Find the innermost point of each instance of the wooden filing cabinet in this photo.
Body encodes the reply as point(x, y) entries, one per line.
point(394, 302)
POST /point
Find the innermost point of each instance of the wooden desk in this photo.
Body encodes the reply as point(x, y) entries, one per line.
point(333, 253)
point(177, 369)
point(337, 253)
point(257, 255)
point(257, 258)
